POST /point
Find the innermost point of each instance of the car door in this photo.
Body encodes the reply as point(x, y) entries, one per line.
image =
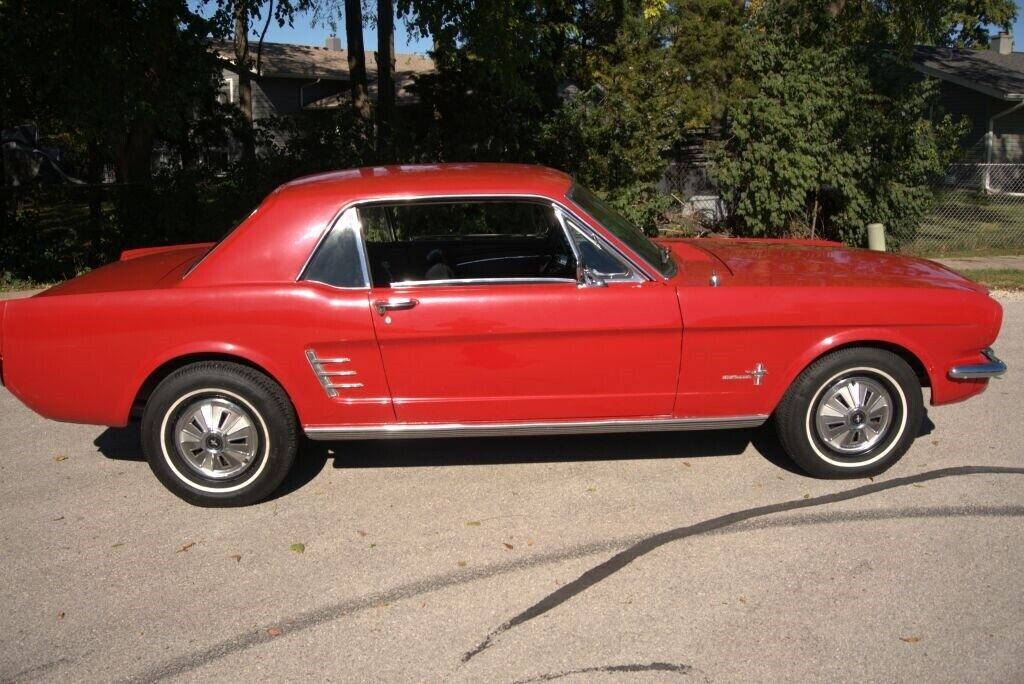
point(523, 347)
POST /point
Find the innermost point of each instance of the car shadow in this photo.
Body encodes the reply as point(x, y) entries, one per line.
point(124, 444)
point(121, 443)
point(472, 451)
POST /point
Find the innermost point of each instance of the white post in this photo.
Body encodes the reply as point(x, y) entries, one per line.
point(876, 237)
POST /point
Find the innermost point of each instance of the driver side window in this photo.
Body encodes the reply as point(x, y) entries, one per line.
point(462, 241)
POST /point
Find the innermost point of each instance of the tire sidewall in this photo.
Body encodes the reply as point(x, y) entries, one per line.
point(275, 426)
point(795, 418)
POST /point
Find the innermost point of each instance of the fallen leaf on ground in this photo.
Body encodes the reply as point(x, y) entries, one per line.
point(117, 545)
point(274, 631)
point(298, 548)
point(743, 599)
point(361, 533)
point(373, 546)
point(462, 564)
point(56, 519)
point(186, 547)
point(591, 489)
point(236, 557)
point(910, 639)
point(507, 546)
point(472, 523)
point(919, 486)
point(60, 615)
point(529, 542)
point(807, 496)
point(60, 457)
point(686, 464)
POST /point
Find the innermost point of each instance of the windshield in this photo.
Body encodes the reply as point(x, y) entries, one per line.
point(657, 257)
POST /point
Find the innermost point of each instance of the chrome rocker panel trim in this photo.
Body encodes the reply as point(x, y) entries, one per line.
point(993, 369)
point(431, 430)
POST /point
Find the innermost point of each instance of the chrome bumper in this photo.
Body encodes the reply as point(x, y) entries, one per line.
point(993, 369)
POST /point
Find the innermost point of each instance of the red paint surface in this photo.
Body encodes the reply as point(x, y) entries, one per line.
point(83, 350)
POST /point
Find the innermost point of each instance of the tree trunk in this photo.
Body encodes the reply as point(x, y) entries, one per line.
point(357, 60)
point(244, 80)
point(134, 162)
point(93, 170)
point(385, 78)
point(3, 189)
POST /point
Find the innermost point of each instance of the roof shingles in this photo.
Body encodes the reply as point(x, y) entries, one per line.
point(986, 71)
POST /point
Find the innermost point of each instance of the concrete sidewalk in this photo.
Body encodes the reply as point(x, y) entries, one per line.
point(1015, 261)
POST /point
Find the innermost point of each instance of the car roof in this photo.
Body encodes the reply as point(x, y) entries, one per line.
point(434, 179)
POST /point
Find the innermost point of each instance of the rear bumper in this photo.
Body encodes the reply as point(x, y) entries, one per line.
point(993, 368)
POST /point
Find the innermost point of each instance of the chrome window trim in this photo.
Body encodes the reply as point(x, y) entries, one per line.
point(568, 427)
point(651, 272)
point(476, 281)
point(399, 199)
point(599, 241)
point(364, 261)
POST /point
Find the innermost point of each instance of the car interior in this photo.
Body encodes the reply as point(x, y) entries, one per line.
point(444, 241)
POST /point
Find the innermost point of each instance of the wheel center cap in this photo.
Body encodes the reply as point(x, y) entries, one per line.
point(214, 443)
point(857, 418)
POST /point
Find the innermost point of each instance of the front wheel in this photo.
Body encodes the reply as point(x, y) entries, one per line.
point(219, 434)
point(852, 413)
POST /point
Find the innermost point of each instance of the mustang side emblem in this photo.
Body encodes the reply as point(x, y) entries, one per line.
point(757, 374)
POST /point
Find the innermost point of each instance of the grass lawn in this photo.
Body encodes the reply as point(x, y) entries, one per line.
point(970, 223)
point(997, 278)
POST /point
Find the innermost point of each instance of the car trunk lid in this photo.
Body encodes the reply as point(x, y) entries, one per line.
point(139, 269)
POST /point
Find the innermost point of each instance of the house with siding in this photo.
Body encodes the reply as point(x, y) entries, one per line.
point(294, 79)
point(986, 89)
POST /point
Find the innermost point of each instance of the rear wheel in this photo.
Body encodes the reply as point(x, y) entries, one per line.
point(852, 413)
point(219, 434)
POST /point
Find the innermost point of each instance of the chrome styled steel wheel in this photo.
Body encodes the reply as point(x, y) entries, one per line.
point(216, 438)
point(854, 414)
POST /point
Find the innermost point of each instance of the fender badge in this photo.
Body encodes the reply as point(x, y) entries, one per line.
point(756, 374)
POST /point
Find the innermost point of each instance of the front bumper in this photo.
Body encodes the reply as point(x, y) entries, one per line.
point(992, 369)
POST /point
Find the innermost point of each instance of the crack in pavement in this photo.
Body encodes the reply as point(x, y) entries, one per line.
point(620, 560)
point(311, 619)
point(679, 669)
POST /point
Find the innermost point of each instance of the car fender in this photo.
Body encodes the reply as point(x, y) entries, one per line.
point(207, 347)
point(866, 336)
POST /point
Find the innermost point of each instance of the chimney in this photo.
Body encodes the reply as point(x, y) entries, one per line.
point(333, 43)
point(1003, 43)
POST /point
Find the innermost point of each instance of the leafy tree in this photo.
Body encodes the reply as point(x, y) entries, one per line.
point(835, 135)
point(234, 18)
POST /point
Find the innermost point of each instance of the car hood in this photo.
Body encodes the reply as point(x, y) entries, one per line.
point(817, 263)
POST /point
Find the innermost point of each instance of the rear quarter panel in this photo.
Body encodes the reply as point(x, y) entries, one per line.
point(83, 358)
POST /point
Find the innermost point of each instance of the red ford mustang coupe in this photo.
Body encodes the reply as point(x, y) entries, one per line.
point(453, 300)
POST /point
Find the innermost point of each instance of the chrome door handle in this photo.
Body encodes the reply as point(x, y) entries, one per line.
point(385, 305)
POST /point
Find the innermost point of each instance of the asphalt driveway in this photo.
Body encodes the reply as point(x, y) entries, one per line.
point(661, 557)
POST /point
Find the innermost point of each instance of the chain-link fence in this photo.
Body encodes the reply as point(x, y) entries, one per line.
point(979, 209)
point(696, 204)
